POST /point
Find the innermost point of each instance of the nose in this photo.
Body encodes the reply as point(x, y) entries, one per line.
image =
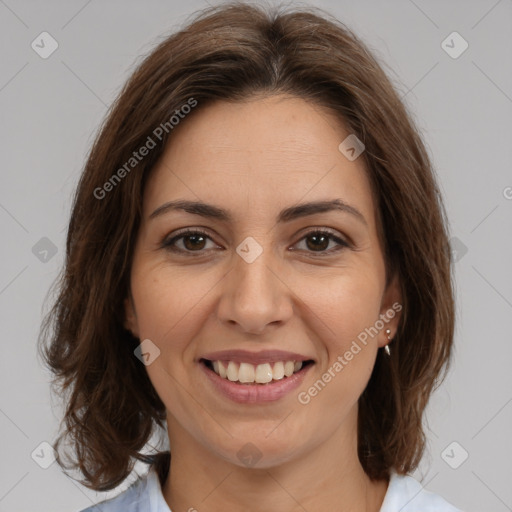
point(254, 296)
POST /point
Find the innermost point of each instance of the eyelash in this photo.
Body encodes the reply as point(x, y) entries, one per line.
point(169, 244)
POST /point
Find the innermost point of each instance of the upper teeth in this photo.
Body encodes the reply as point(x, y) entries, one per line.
point(261, 373)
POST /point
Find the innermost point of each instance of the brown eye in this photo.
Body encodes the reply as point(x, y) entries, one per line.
point(193, 242)
point(188, 241)
point(318, 241)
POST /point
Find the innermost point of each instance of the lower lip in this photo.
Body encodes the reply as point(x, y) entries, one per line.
point(255, 393)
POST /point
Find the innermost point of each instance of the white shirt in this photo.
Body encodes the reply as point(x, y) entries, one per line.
point(404, 494)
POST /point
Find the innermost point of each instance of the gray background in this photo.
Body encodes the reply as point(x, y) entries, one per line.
point(51, 108)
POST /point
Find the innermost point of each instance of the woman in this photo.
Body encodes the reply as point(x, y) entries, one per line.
point(258, 268)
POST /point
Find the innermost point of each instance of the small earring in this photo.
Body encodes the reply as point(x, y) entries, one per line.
point(386, 348)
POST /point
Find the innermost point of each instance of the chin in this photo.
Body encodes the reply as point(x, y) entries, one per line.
point(259, 451)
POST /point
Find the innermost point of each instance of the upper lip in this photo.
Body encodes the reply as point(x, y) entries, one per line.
point(264, 356)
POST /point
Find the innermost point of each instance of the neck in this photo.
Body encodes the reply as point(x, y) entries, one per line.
point(328, 477)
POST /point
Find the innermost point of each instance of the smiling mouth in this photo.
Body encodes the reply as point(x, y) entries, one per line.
point(247, 373)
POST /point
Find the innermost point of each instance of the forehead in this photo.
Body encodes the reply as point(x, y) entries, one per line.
point(277, 151)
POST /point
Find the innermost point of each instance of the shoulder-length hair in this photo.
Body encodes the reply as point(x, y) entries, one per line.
point(232, 52)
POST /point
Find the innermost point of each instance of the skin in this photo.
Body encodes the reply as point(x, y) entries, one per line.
point(254, 159)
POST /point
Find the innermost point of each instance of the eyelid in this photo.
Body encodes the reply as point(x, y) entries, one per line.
point(342, 240)
point(181, 233)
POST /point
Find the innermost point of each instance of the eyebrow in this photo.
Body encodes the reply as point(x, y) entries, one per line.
point(286, 215)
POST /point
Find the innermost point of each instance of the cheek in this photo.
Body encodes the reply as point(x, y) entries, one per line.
point(343, 313)
point(170, 312)
point(345, 305)
point(167, 302)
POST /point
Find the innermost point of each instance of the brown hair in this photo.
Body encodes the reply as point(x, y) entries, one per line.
point(232, 52)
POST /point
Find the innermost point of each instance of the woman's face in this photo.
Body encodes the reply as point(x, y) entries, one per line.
point(260, 288)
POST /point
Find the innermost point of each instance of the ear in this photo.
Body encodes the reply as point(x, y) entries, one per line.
point(390, 312)
point(130, 316)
